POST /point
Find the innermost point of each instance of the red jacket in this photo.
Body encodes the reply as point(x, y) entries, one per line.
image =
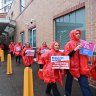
point(78, 62)
point(49, 74)
point(17, 49)
point(38, 55)
point(1, 46)
point(27, 59)
point(11, 47)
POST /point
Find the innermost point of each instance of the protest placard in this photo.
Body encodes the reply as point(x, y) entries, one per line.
point(30, 52)
point(87, 48)
point(18, 49)
point(43, 50)
point(60, 62)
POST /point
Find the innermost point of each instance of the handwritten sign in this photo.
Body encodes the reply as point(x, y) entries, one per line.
point(60, 62)
point(30, 52)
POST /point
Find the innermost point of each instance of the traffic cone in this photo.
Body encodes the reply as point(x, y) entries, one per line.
point(9, 64)
point(28, 82)
point(2, 55)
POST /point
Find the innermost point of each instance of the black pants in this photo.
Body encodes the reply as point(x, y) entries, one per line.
point(11, 54)
point(53, 87)
point(18, 58)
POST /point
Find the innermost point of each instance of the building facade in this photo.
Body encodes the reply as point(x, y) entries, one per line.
point(53, 20)
point(6, 4)
point(49, 20)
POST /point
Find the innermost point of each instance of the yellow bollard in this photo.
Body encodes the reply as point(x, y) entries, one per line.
point(2, 55)
point(9, 64)
point(28, 82)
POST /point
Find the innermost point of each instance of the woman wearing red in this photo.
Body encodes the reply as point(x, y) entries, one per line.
point(51, 76)
point(41, 50)
point(1, 45)
point(11, 48)
point(78, 65)
point(27, 55)
point(17, 51)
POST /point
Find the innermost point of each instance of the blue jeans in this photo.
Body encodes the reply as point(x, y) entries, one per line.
point(83, 82)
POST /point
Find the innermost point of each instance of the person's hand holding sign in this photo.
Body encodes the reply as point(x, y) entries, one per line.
point(78, 47)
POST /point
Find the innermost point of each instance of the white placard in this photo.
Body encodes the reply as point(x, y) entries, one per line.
point(30, 52)
point(44, 50)
point(59, 58)
point(18, 49)
point(60, 62)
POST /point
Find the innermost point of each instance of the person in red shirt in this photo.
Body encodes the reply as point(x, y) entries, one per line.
point(51, 76)
point(41, 50)
point(28, 54)
point(78, 65)
point(22, 49)
point(11, 48)
point(17, 52)
point(1, 46)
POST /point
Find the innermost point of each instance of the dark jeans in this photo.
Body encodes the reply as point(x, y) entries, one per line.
point(53, 87)
point(83, 82)
point(18, 58)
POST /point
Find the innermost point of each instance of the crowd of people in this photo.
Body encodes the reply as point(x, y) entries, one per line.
point(78, 64)
point(21, 51)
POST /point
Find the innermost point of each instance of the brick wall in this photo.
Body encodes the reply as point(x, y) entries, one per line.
point(90, 20)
